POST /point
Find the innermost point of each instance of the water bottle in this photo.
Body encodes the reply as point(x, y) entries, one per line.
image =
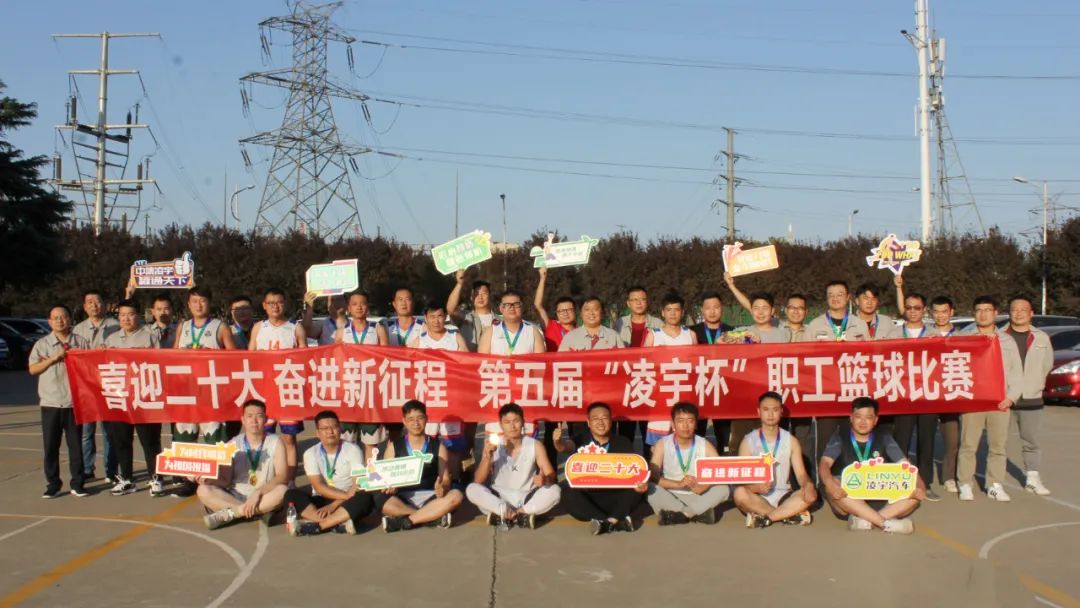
point(290, 517)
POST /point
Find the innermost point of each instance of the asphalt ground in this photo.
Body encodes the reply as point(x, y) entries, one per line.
point(141, 551)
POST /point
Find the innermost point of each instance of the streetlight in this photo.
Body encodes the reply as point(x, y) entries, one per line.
point(851, 222)
point(1045, 210)
point(505, 284)
point(232, 205)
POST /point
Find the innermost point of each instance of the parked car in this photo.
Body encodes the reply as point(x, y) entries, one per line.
point(20, 335)
point(1063, 382)
point(6, 360)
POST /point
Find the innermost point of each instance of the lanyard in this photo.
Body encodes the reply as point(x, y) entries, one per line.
point(401, 339)
point(690, 457)
point(862, 456)
point(326, 459)
point(907, 333)
point(711, 337)
point(838, 331)
point(423, 450)
point(595, 340)
point(517, 334)
point(253, 458)
point(196, 338)
point(951, 330)
point(765, 446)
point(873, 326)
point(363, 336)
point(607, 445)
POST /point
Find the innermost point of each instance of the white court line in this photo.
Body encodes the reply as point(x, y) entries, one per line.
point(984, 551)
point(245, 572)
point(1044, 601)
point(23, 529)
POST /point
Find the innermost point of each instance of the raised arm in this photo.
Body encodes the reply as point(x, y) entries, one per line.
point(538, 299)
point(455, 297)
point(740, 297)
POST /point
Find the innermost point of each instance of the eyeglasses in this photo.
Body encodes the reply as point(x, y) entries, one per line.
point(510, 305)
point(564, 310)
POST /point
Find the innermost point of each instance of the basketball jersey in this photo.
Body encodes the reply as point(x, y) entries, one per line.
point(447, 342)
point(781, 462)
point(673, 469)
point(199, 337)
point(400, 337)
point(660, 338)
point(241, 465)
point(276, 337)
point(513, 476)
point(501, 337)
point(368, 335)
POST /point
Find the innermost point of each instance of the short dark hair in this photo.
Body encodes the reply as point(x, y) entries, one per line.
point(259, 403)
point(918, 296)
point(770, 395)
point(684, 407)
point(672, 297)
point(323, 415)
point(403, 288)
point(412, 405)
point(239, 298)
point(478, 284)
point(164, 297)
point(593, 298)
point(865, 287)
point(273, 291)
point(93, 292)
point(598, 405)
point(633, 288)
point(202, 292)
point(358, 292)
point(1022, 297)
point(434, 306)
point(985, 299)
point(763, 295)
point(712, 295)
point(127, 303)
point(942, 301)
point(797, 296)
point(511, 292)
point(61, 306)
point(861, 402)
point(511, 408)
point(839, 282)
point(564, 299)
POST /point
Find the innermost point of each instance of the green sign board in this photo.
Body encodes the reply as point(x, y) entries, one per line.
point(566, 253)
point(392, 473)
point(333, 279)
point(466, 250)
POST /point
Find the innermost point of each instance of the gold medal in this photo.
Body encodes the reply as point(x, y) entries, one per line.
point(253, 478)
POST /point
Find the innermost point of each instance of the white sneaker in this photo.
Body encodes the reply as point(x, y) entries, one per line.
point(950, 486)
point(858, 524)
point(217, 519)
point(966, 492)
point(997, 492)
point(899, 526)
point(122, 487)
point(157, 487)
point(1034, 484)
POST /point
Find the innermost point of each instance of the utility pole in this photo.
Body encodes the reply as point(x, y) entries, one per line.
point(504, 251)
point(921, 42)
point(457, 191)
point(100, 182)
point(731, 181)
point(1046, 209)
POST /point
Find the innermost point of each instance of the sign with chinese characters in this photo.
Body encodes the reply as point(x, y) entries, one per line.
point(333, 279)
point(466, 250)
point(175, 274)
point(894, 254)
point(566, 253)
point(735, 469)
point(599, 469)
point(875, 479)
point(370, 384)
point(392, 473)
point(184, 459)
point(739, 262)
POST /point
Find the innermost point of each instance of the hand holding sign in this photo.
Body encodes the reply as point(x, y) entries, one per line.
point(184, 265)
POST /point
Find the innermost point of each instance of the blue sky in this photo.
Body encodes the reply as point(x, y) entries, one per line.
point(642, 116)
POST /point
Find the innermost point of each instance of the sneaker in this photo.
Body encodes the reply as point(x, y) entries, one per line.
point(625, 524)
point(350, 527)
point(217, 519)
point(858, 524)
point(493, 519)
point(50, 493)
point(396, 524)
point(707, 518)
point(122, 487)
point(802, 519)
point(932, 496)
point(446, 521)
point(899, 526)
point(1035, 484)
point(672, 518)
point(966, 492)
point(599, 527)
point(79, 492)
point(758, 521)
point(950, 486)
point(157, 487)
point(525, 520)
point(998, 493)
point(186, 489)
point(305, 528)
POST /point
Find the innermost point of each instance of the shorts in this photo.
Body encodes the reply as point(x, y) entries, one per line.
point(363, 433)
point(657, 430)
point(413, 498)
point(450, 435)
point(288, 427)
point(211, 432)
point(774, 498)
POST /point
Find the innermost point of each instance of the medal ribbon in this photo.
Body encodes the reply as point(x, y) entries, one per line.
point(765, 445)
point(253, 458)
point(402, 339)
point(196, 338)
point(862, 456)
point(363, 336)
point(690, 459)
point(517, 334)
point(711, 337)
point(838, 330)
point(326, 459)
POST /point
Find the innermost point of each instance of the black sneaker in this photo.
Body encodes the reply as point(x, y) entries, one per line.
point(186, 489)
point(525, 520)
point(671, 518)
point(396, 524)
point(760, 521)
point(493, 519)
point(599, 527)
point(50, 493)
point(79, 492)
point(802, 519)
point(625, 524)
point(708, 517)
point(305, 528)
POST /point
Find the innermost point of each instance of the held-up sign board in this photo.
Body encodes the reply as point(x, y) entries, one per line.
point(739, 262)
point(735, 469)
point(466, 250)
point(876, 480)
point(174, 274)
point(333, 279)
point(185, 459)
point(391, 473)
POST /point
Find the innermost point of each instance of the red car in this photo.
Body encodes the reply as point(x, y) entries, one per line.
point(1063, 382)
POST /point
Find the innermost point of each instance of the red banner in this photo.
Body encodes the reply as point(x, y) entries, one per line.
point(370, 383)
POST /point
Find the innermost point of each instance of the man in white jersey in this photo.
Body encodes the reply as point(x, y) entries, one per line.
point(254, 483)
point(474, 322)
point(404, 324)
point(511, 335)
point(769, 503)
point(200, 332)
point(435, 336)
point(357, 329)
point(515, 481)
point(671, 333)
point(675, 493)
point(333, 502)
point(277, 332)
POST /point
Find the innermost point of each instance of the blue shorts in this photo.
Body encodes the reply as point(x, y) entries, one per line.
point(288, 427)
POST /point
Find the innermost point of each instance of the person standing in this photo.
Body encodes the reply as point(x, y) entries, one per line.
point(1036, 359)
point(94, 330)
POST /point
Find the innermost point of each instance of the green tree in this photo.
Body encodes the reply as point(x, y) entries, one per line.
point(30, 215)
